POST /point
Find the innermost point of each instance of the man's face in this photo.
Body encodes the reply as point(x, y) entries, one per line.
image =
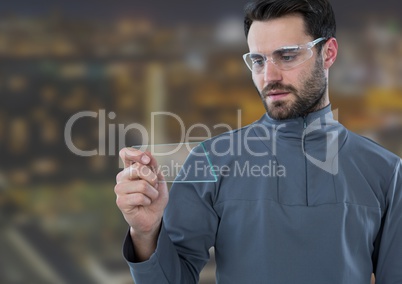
point(292, 93)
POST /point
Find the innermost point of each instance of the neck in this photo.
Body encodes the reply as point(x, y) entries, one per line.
point(319, 104)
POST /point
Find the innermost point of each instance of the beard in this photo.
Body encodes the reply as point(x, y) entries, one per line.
point(308, 99)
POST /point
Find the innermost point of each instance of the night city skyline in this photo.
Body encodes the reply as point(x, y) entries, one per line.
point(179, 11)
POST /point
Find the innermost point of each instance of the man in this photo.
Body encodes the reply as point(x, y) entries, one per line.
point(334, 213)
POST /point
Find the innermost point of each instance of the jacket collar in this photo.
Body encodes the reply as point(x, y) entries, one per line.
point(310, 127)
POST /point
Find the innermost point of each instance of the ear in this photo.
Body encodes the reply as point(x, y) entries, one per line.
point(329, 53)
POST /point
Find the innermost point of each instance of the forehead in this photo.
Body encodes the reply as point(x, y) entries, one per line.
point(266, 36)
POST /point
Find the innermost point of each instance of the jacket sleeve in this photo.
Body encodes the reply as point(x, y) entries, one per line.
point(388, 246)
point(187, 233)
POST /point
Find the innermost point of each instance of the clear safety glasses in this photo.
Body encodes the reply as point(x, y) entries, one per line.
point(284, 58)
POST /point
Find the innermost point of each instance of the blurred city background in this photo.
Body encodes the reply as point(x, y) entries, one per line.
point(122, 60)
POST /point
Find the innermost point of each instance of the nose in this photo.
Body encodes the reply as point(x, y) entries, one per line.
point(271, 72)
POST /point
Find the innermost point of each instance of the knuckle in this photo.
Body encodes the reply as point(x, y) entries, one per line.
point(154, 179)
point(122, 152)
point(132, 171)
point(139, 168)
point(142, 186)
point(119, 202)
point(119, 176)
point(138, 199)
point(117, 189)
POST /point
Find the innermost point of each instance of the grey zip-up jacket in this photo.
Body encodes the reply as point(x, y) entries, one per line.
point(294, 201)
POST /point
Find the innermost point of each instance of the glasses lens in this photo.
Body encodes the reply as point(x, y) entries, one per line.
point(255, 62)
point(288, 58)
point(285, 58)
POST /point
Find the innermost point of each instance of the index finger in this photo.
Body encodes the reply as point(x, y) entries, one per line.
point(130, 156)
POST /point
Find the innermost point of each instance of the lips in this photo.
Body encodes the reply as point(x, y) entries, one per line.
point(277, 95)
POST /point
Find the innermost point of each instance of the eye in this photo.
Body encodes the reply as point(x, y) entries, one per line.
point(258, 61)
point(288, 57)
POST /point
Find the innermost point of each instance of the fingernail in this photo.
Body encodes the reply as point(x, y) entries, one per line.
point(145, 159)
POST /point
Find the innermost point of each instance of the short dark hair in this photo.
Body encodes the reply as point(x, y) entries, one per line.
point(318, 16)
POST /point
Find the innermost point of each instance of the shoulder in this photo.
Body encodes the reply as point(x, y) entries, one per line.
point(362, 156)
point(367, 148)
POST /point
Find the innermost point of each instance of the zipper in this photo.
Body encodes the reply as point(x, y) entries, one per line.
point(305, 157)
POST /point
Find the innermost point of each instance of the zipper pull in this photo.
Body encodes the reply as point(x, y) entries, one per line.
point(304, 122)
